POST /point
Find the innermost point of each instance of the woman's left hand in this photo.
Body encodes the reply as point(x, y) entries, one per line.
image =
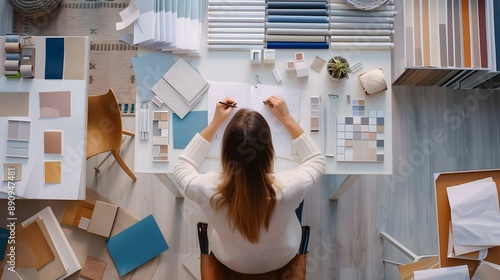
point(223, 111)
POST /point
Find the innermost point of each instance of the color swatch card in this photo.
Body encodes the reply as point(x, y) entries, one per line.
point(12, 171)
point(52, 142)
point(18, 137)
point(52, 171)
point(55, 104)
point(161, 137)
point(14, 104)
point(136, 245)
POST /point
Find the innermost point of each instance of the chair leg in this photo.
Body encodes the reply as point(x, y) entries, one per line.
point(128, 133)
point(124, 165)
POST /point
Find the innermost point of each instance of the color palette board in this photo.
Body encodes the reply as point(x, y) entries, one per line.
point(358, 107)
point(361, 138)
point(161, 125)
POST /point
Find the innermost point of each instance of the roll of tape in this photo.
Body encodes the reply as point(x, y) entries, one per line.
point(12, 74)
point(12, 47)
point(12, 38)
point(12, 56)
point(12, 65)
point(27, 71)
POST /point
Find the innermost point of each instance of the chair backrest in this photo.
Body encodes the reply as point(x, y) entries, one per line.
point(104, 124)
point(212, 269)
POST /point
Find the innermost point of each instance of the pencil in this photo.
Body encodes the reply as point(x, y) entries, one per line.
point(267, 103)
point(228, 104)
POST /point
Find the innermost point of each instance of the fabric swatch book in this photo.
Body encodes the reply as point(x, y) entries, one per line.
point(181, 87)
point(136, 245)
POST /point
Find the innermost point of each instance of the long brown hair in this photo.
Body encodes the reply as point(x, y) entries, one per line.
point(247, 163)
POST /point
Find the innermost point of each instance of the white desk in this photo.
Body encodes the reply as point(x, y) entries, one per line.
point(74, 129)
point(235, 66)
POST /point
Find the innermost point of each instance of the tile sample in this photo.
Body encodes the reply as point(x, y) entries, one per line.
point(52, 142)
point(103, 218)
point(358, 137)
point(55, 104)
point(14, 104)
point(93, 268)
point(160, 135)
point(12, 171)
point(52, 171)
point(358, 107)
point(18, 136)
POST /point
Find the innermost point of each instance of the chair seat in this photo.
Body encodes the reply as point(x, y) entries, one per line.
point(212, 269)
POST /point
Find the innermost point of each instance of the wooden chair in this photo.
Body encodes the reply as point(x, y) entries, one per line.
point(212, 269)
point(104, 128)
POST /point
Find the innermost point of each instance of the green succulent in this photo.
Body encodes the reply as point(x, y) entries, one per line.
point(338, 68)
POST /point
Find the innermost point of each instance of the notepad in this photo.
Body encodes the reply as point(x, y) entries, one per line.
point(136, 245)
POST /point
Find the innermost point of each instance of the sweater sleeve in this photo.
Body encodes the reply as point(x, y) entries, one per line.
point(312, 160)
point(186, 167)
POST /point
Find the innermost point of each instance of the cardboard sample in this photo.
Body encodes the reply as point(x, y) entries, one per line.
point(102, 219)
point(93, 268)
point(52, 172)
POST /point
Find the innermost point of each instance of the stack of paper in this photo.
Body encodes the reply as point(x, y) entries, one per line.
point(166, 25)
point(42, 249)
point(460, 272)
point(475, 219)
point(181, 87)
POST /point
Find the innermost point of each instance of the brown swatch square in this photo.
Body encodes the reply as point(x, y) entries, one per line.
point(55, 104)
point(52, 172)
point(33, 249)
point(52, 142)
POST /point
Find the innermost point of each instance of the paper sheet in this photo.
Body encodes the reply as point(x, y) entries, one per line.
point(475, 213)
point(449, 273)
point(250, 96)
point(486, 271)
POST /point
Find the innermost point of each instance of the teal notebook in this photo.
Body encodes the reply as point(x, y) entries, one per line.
point(136, 245)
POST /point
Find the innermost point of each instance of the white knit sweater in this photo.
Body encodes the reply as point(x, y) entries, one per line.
point(276, 246)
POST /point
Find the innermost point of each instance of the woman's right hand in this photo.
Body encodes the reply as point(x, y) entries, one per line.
point(279, 109)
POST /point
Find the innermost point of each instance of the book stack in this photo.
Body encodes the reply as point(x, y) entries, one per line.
point(297, 25)
point(361, 29)
point(181, 87)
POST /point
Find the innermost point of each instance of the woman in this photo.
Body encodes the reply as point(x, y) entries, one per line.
point(252, 225)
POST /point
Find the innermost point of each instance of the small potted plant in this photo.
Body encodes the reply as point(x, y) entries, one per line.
point(338, 68)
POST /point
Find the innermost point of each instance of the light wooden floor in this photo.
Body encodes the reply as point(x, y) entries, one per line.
point(434, 130)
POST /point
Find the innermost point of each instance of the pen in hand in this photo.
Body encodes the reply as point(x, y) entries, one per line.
point(267, 103)
point(229, 104)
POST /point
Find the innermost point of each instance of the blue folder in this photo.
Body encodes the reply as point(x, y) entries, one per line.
point(136, 245)
point(4, 238)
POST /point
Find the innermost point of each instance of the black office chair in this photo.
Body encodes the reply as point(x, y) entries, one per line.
point(212, 269)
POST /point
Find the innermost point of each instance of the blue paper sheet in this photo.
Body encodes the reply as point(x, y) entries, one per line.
point(136, 245)
point(54, 58)
point(148, 70)
point(185, 129)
